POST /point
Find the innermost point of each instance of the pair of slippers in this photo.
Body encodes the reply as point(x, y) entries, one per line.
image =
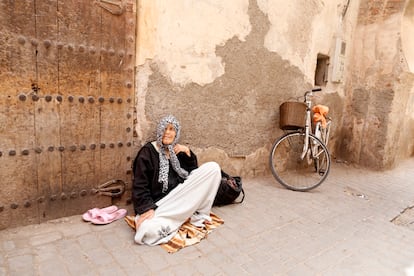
point(105, 215)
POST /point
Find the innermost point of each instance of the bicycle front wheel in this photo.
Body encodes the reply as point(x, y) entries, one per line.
point(294, 172)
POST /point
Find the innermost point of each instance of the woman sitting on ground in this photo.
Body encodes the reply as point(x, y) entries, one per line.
point(169, 187)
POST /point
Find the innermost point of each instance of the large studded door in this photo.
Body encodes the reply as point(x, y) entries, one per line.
point(66, 105)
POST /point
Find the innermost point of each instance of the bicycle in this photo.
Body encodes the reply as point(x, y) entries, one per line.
point(300, 160)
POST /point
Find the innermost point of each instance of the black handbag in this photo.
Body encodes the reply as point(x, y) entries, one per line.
point(229, 190)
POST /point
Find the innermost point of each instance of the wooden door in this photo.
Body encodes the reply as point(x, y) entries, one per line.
point(66, 105)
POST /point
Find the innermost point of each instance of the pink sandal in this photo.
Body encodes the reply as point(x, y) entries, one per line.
point(95, 212)
point(105, 218)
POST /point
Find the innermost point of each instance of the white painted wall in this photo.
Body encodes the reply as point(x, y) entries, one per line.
point(182, 37)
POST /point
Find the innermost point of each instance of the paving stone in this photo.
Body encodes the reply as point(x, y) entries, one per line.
point(46, 253)
point(344, 227)
point(45, 238)
point(180, 269)
point(52, 267)
point(20, 263)
point(8, 245)
point(302, 269)
point(110, 269)
point(205, 267)
point(155, 261)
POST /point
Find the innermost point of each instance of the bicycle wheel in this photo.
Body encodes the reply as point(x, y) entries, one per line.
point(291, 170)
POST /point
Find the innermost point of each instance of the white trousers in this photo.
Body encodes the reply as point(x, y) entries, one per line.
point(191, 199)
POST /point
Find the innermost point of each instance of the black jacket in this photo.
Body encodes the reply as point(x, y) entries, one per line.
point(146, 189)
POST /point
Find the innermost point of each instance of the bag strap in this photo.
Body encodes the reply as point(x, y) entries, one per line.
point(238, 202)
point(224, 174)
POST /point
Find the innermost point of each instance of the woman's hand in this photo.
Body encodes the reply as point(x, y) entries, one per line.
point(181, 148)
point(147, 215)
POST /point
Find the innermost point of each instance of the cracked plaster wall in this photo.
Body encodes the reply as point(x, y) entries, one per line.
point(224, 67)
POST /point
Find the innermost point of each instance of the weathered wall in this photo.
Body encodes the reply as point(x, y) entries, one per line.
point(407, 37)
point(406, 143)
point(223, 68)
point(379, 123)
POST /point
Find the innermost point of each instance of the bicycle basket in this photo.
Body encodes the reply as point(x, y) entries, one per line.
point(292, 115)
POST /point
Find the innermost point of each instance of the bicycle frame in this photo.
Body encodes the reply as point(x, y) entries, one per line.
point(323, 133)
point(308, 122)
point(299, 159)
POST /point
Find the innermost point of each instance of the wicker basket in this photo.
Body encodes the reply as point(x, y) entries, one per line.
point(292, 115)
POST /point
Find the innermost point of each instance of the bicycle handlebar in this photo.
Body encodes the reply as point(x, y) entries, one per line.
point(311, 91)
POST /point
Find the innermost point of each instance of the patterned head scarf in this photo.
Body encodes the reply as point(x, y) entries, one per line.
point(164, 164)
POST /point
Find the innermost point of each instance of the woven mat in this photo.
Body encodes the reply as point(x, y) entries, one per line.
point(187, 235)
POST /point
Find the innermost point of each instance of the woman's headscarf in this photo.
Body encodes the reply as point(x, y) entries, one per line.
point(164, 165)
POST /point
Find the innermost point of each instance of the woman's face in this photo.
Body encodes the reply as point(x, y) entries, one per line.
point(169, 135)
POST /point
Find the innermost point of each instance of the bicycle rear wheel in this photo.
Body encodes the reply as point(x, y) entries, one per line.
point(293, 172)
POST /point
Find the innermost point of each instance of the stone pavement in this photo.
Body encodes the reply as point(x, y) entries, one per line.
point(358, 222)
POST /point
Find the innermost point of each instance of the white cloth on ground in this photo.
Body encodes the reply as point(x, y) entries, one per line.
point(191, 199)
